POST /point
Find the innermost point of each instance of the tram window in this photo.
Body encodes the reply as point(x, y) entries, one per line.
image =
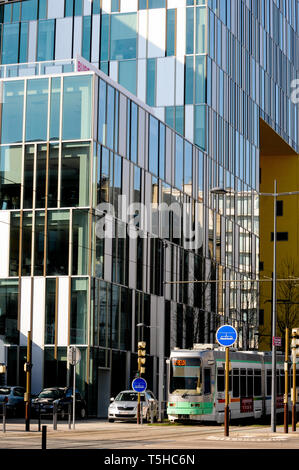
point(243, 383)
point(236, 384)
point(269, 382)
point(220, 380)
point(250, 383)
point(258, 382)
point(207, 381)
point(278, 383)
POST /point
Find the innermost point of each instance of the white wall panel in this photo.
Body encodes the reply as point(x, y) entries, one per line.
point(63, 42)
point(189, 121)
point(38, 318)
point(87, 8)
point(77, 36)
point(95, 41)
point(159, 113)
point(25, 312)
point(156, 33)
point(106, 6)
point(113, 70)
point(128, 5)
point(165, 81)
point(180, 82)
point(32, 37)
point(141, 80)
point(181, 31)
point(63, 311)
point(176, 3)
point(38, 333)
point(142, 33)
point(55, 9)
point(4, 243)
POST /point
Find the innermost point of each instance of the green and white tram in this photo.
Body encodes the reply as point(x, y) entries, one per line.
point(196, 384)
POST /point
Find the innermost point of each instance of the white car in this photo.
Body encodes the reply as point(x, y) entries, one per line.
point(124, 406)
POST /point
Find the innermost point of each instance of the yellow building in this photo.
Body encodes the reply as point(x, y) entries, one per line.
point(278, 162)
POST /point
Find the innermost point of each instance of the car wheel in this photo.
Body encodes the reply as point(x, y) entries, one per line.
point(82, 413)
point(110, 420)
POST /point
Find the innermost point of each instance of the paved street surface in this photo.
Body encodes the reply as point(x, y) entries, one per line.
point(99, 434)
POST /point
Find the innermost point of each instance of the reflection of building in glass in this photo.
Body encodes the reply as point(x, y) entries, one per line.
point(71, 139)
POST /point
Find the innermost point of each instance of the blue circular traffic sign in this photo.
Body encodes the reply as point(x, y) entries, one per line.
point(226, 335)
point(139, 385)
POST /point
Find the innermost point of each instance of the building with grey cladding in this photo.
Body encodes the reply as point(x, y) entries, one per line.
point(73, 136)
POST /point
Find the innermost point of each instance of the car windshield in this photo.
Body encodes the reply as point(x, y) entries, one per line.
point(50, 394)
point(4, 391)
point(129, 396)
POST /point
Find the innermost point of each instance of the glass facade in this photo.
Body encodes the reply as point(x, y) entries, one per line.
point(72, 143)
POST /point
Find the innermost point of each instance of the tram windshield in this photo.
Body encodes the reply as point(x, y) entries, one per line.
point(185, 376)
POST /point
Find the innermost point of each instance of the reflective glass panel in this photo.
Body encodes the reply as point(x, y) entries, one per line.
point(58, 242)
point(179, 159)
point(170, 40)
point(39, 238)
point(46, 37)
point(153, 146)
point(28, 176)
point(9, 311)
point(80, 242)
point(76, 116)
point(127, 75)
point(86, 37)
point(78, 320)
point(123, 36)
point(29, 10)
point(200, 30)
point(37, 109)
point(26, 243)
point(151, 82)
point(41, 171)
point(53, 175)
point(50, 308)
point(14, 244)
point(10, 177)
point(55, 108)
point(75, 175)
point(12, 112)
point(10, 46)
point(23, 53)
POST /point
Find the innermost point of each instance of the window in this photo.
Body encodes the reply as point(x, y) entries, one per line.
point(9, 311)
point(12, 106)
point(58, 242)
point(280, 236)
point(10, 47)
point(55, 108)
point(207, 381)
point(10, 177)
point(279, 208)
point(153, 145)
point(86, 37)
point(123, 37)
point(46, 36)
point(236, 383)
point(171, 32)
point(258, 382)
point(78, 317)
point(243, 390)
point(37, 109)
point(50, 307)
point(76, 121)
point(127, 75)
point(151, 82)
point(75, 175)
point(29, 10)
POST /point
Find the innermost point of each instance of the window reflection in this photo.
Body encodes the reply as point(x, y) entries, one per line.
point(75, 175)
point(39, 237)
point(57, 242)
point(41, 171)
point(123, 37)
point(14, 244)
point(80, 242)
point(37, 109)
point(78, 318)
point(9, 311)
point(26, 243)
point(77, 111)
point(10, 177)
point(50, 311)
point(12, 106)
point(28, 176)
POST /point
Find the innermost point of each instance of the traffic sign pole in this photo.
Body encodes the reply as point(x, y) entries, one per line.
point(226, 409)
point(226, 336)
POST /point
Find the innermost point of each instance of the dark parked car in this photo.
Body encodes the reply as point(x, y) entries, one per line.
point(13, 396)
point(63, 397)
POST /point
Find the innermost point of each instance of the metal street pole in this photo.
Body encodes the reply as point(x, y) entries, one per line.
point(294, 397)
point(28, 383)
point(273, 402)
point(226, 408)
point(286, 382)
point(74, 391)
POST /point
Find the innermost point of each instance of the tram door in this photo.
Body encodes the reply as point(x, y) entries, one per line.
point(104, 379)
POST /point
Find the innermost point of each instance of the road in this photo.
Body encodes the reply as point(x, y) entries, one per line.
point(97, 434)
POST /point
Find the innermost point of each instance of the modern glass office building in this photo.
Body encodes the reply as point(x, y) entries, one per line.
point(158, 102)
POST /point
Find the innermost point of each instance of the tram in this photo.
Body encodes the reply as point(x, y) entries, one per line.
point(196, 384)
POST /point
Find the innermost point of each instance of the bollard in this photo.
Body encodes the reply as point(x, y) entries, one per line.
point(141, 413)
point(54, 416)
point(44, 437)
point(4, 417)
